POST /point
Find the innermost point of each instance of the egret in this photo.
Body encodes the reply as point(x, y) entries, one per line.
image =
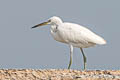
point(72, 34)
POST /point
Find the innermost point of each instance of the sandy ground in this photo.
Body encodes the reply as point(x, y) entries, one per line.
point(58, 74)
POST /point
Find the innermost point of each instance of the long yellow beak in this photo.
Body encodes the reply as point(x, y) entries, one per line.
point(41, 24)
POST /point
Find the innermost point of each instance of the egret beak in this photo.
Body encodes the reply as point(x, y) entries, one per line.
point(41, 24)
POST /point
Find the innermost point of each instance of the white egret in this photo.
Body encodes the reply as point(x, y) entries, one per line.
point(72, 34)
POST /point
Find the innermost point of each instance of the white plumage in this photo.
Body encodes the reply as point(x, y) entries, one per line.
point(76, 35)
point(73, 34)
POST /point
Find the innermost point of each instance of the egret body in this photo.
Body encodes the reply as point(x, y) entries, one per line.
point(72, 34)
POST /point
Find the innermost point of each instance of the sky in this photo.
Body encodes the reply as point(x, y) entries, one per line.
point(23, 47)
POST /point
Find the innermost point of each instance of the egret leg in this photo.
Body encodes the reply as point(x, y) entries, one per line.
point(84, 58)
point(71, 53)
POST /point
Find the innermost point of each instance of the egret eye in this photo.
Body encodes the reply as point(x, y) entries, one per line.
point(49, 20)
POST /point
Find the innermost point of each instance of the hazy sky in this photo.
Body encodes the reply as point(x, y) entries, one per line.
point(23, 47)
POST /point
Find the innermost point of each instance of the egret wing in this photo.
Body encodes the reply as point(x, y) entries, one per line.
point(78, 34)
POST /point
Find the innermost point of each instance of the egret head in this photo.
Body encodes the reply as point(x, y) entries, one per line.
point(52, 21)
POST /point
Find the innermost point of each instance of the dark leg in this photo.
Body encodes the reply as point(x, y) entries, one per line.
point(84, 58)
